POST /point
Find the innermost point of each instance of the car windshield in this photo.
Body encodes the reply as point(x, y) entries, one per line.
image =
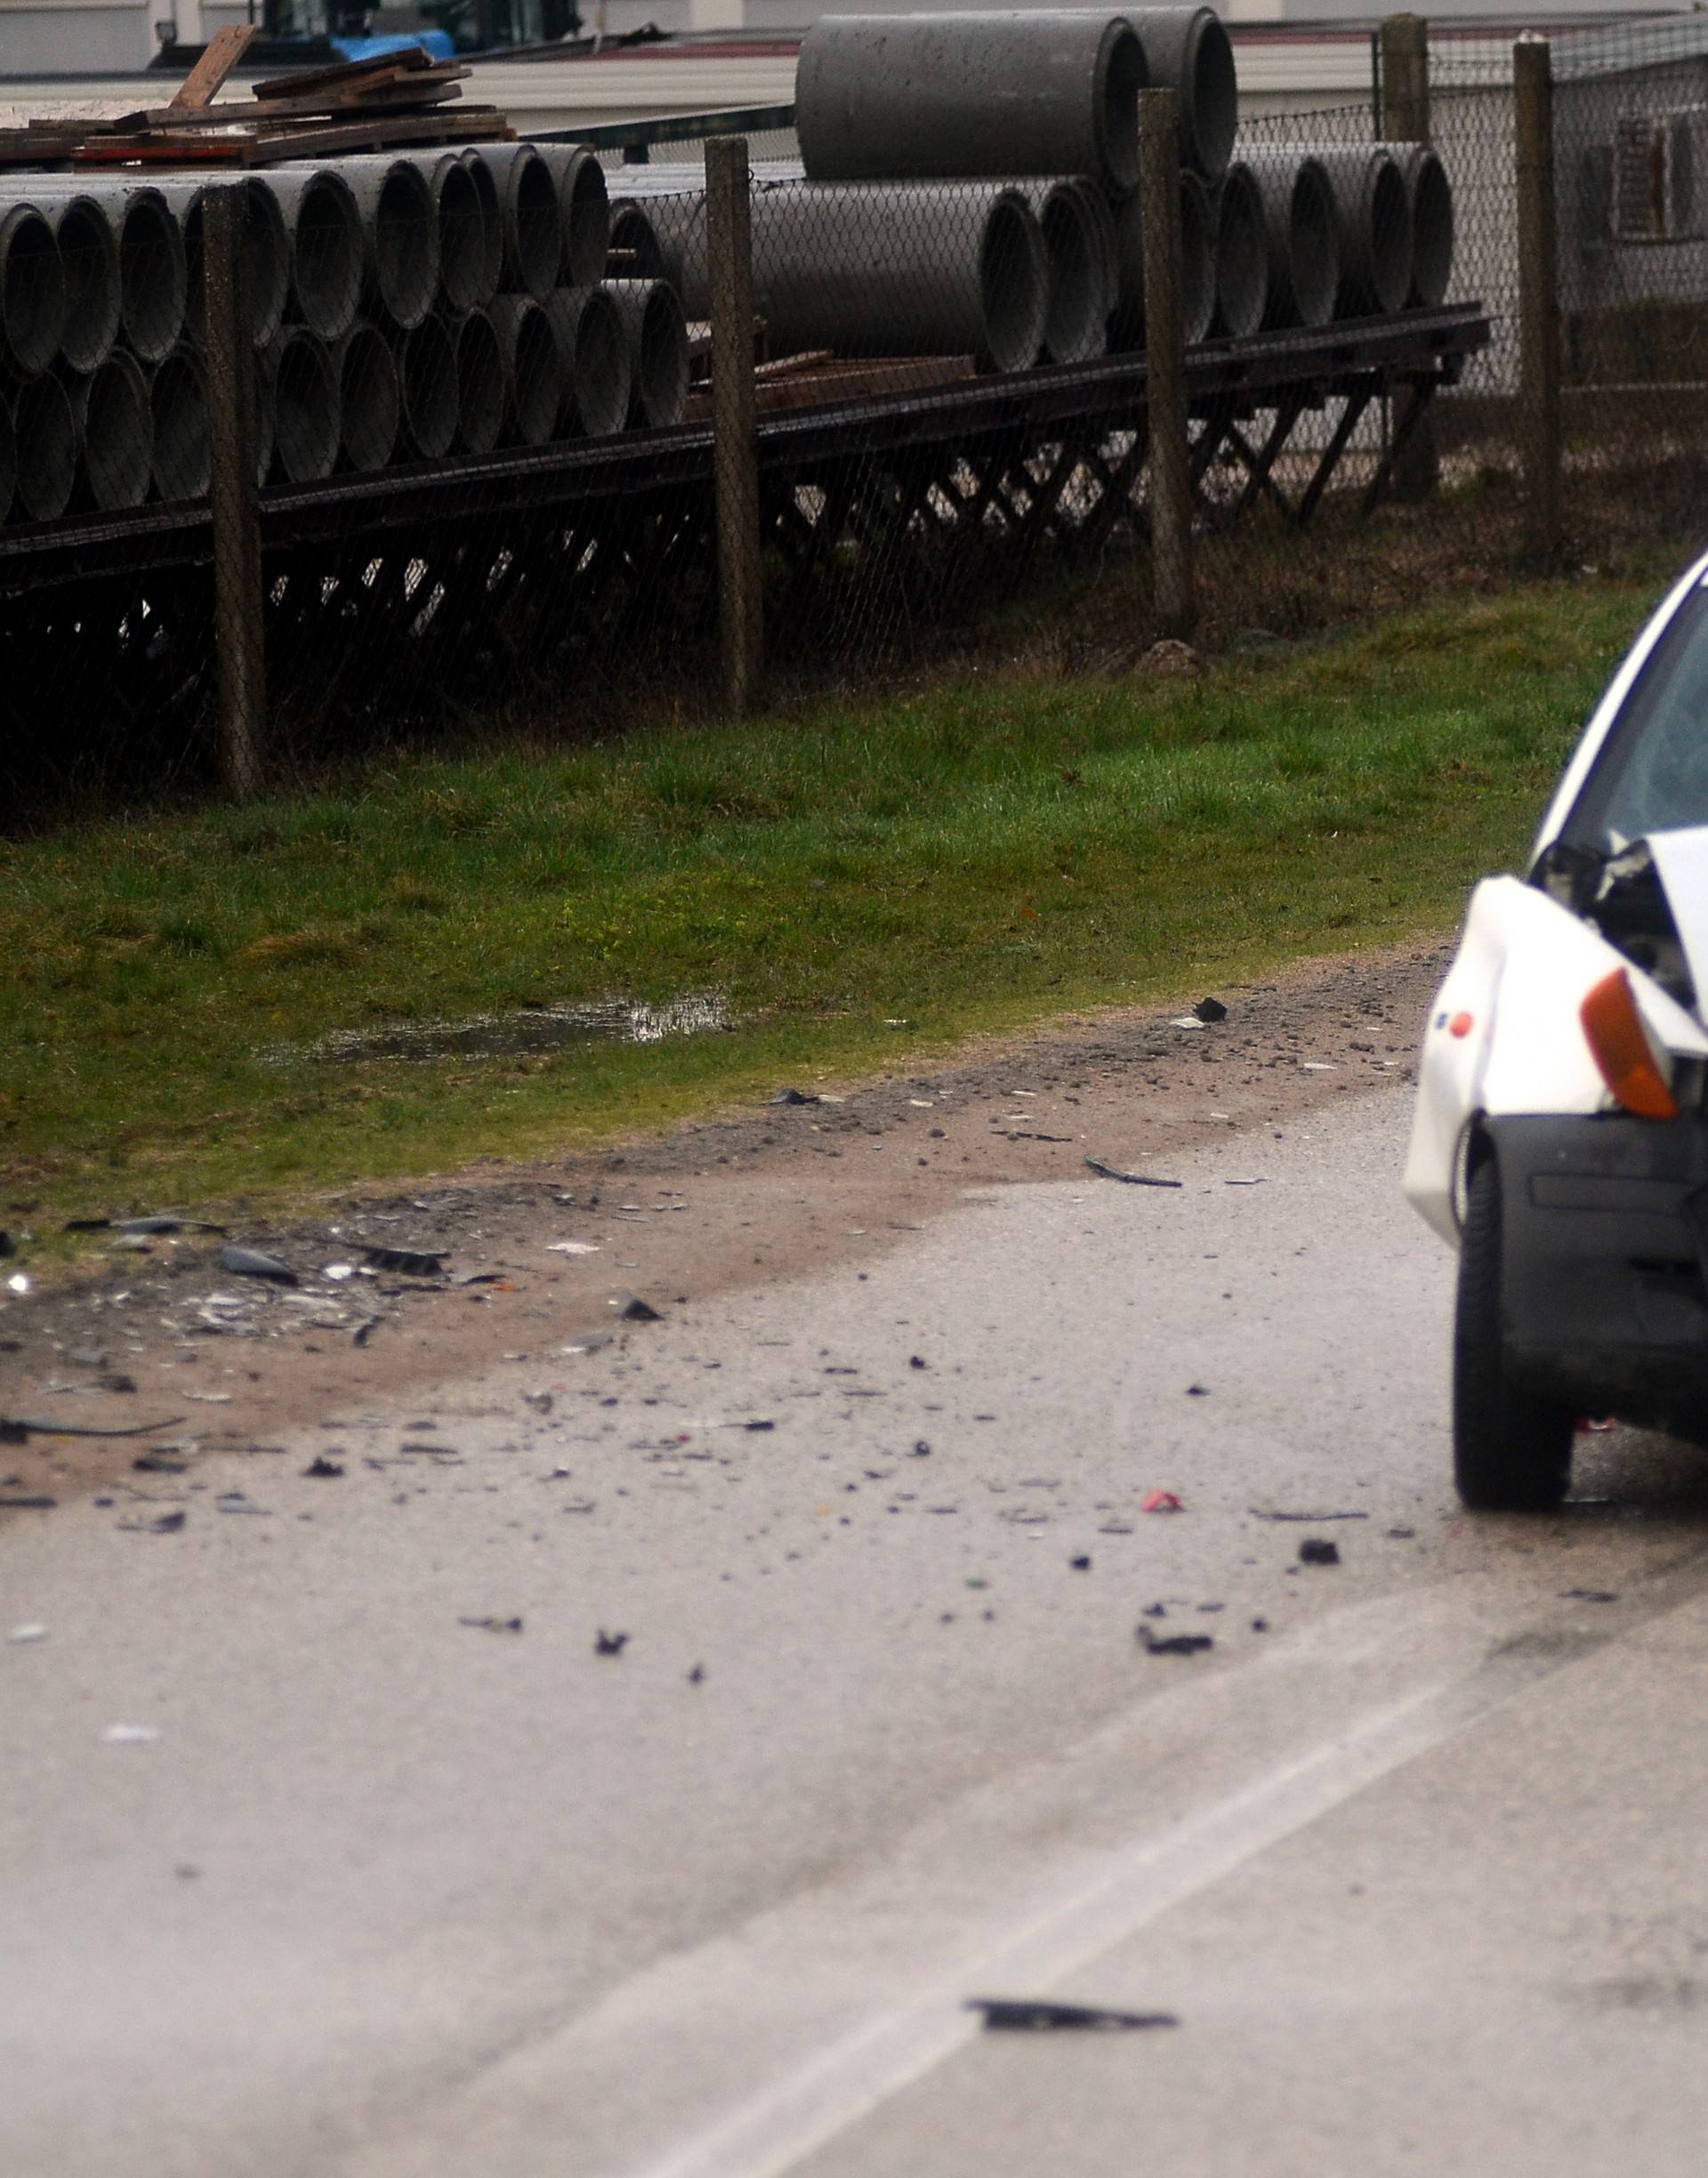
point(1652, 774)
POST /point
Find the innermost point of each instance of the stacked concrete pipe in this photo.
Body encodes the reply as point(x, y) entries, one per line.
point(301, 379)
point(399, 215)
point(532, 366)
point(531, 216)
point(1301, 234)
point(32, 291)
point(180, 459)
point(369, 400)
point(492, 222)
point(46, 432)
point(470, 246)
point(327, 250)
point(1242, 253)
point(655, 335)
point(479, 383)
point(1042, 92)
point(584, 211)
point(90, 272)
point(593, 352)
point(1430, 196)
point(1373, 217)
point(114, 429)
point(1077, 320)
point(426, 356)
point(1187, 51)
point(153, 275)
point(263, 256)
point(634, 236)
point(1198, 268)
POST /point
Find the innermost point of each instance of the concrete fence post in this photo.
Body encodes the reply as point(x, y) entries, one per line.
point(1539, 414)
point(1406, 120)
point(240, 646)
point(1166, 452)
point(735, 451)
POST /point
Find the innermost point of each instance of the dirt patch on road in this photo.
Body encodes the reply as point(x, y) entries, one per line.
point(161, 1331)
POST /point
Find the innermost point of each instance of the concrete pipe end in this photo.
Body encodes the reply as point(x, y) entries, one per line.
point(326, 257)
point(427, 389)
point(1432, 230)
point(463, 258)
point(117, 427)
point(369, 402)
point(1197, 260)
point(304, 387)
point(1390, 213)
point(406, 245)
point(32, 291)
point(1120, 75)
point(47, 450)
point(1076, 327)
point(89, 272)
point(480, 384)
point(1241, 256)
point(635, 241)
point(178, 400)
point(1313, 246)
point(154, 275)
point(1013, 284)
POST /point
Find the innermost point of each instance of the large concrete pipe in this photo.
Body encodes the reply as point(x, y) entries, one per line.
point(1033, 92)
point(1374, 217)
point(427, 387)
point(114, 431)
point(326, 246)
point(1102, 220)
point(1301, 236)
point(593, 354)
point(882, 268)
point(89, 265)
point(634, 253)
point(584, 211)
point(479, 383)
point(1198, 267)
point(153, 278)
point(302, 384)
point(533, 369)
point(47, 449)
point(1242, 253)
point(1430, 194)
point(492, 222)
point(467, 268)
point(1077, 321)
point(178, 397)
point(1188, 51)
point(263, 256)
point(32, 291)
point(370, 404)
point(655, 334)
point(533, 223)
point(399, 236)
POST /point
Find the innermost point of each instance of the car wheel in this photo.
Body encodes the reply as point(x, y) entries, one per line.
point(1511, 1451)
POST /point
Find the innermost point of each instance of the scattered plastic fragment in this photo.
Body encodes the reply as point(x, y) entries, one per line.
point(1198, 1391)
point(610, 1644)
point(168, 1460)
point(16, 1501)
point(129, 1735)
point(1589, 1595)
point(632, 1309)
point(697, 1677)
point(20, 1635)
point(1081, 1564)
point(320, 1468)
point(1318, 1551)
point(494, 1624)
point(1160, 1501)
point(165, 1523)
point(1211, 1009)
point(17, 1283)
point(26, 1428)
point(248, 1262)
point(917, 1361)
point(405, 1262)
point(1173, 1644)
point(1185, 1021)
point(572, 1247)
point(1274, 1512)
point(338, 1272)
point(1012, 2015)
point(1127, 1179)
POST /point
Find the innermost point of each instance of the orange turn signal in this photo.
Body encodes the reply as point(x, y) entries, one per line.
point(1620, 1045)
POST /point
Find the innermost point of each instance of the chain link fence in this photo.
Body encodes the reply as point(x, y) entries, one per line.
point(321, 455)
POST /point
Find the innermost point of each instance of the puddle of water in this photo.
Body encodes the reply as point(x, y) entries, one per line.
point(508, 1036)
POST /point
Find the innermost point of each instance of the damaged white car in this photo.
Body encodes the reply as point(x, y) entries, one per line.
point(1560, 1138)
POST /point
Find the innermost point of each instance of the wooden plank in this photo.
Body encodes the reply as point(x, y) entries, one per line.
point(220, 56)
point(342, 72)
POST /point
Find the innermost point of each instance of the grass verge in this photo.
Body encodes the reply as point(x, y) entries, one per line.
point(963, 858)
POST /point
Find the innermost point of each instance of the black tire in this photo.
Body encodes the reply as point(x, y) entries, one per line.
point(1511, 1451)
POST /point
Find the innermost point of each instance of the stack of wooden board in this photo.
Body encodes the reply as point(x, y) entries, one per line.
point(397, 98)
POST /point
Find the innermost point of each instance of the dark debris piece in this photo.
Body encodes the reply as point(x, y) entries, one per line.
point(632, 1309)
point(1127, 1179)
point(1173, 1644)
point(17, 1431)
point(1016, 2015)
point(1082, 1564)
point(1308, 1520)
point(492, 1625)
point(163, 1462)
point(1211, 1009)
point(610, 1644)
point(249, 1262)
point(405, 1262)
point(917, 1361)
point(1589, 1595)
point(6, 1246)
point(320, 1468)
point(791, 1096)
point(165, 1523)
point(1318, 1550)
point(19, 1501)
point(697, 1677)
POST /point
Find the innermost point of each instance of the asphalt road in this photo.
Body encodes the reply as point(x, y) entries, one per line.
point(1413, 1854)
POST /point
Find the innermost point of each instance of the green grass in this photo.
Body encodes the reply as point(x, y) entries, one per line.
point(971, 857)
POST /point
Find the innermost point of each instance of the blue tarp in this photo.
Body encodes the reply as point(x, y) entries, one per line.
point(437, 42)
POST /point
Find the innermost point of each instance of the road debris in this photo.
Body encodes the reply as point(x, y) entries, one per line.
point(493, 1624)
point(405, 1262)
point(1019, 2015)
point(1211, 1009)
point(610, 1644)
point(128, 1735)
point(1589, 1595)
point(249, 1262)
point(322, 1469)
point(1127, 1179)
point(1081, 1564)
point(1172, 1644)
point(6, 1246)
point(792, 1096)
point(1310, 1520)
point(1318, 1551)
point(19, 1501)
point(1160, 1501)
point(165, 1523)
point(167, 1460)
point(572, 1247)
point(1198, 1391)
point(17, 1283)
point(632, 1309)
point(697, 1677)
point(21, 1635)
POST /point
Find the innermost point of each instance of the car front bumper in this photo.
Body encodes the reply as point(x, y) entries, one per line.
point(1604, 1283)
